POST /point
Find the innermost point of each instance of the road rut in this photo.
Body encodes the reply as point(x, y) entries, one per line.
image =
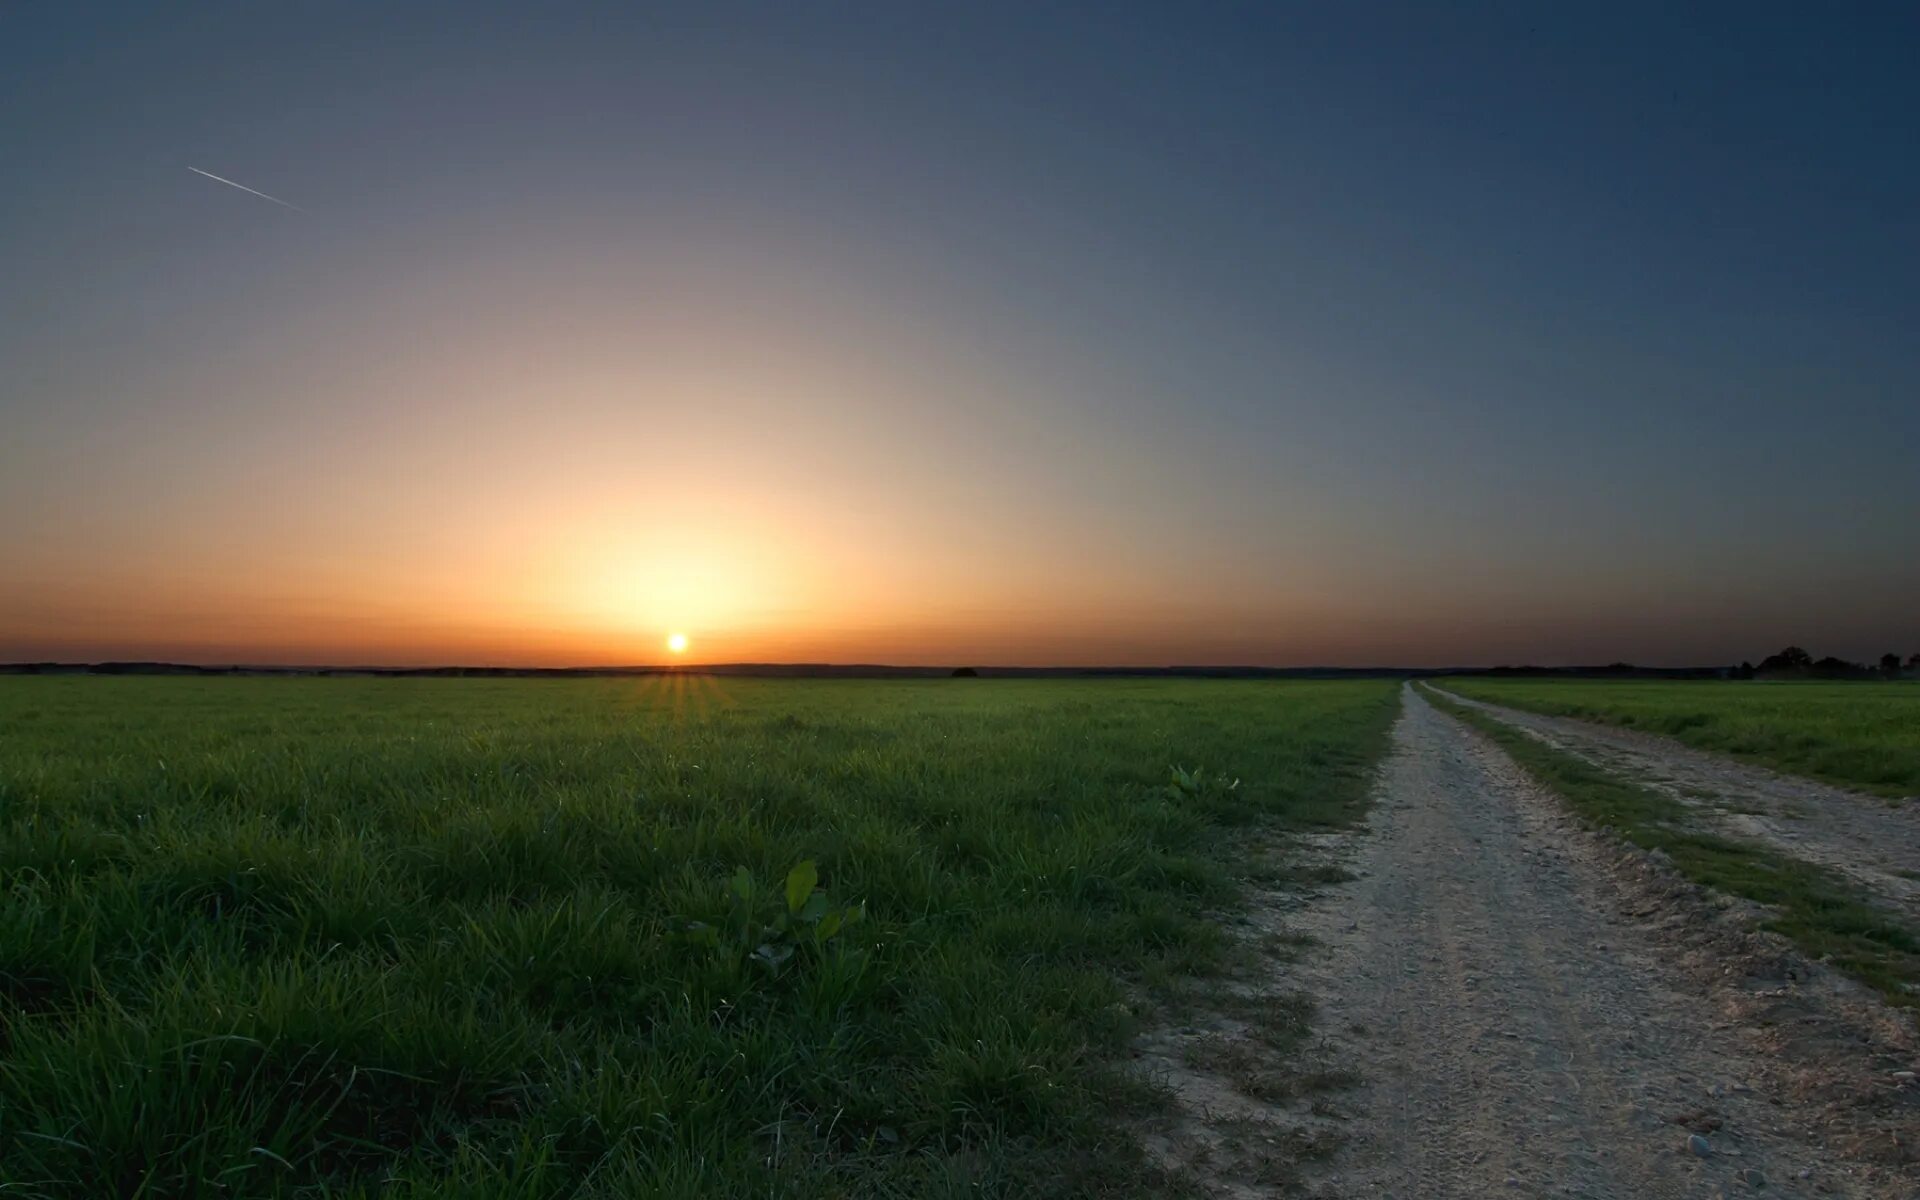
point(1874, 842)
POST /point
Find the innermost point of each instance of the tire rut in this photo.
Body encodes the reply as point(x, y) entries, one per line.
point(1872, 841)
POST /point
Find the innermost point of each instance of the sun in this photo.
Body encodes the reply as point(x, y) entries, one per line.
point(677, 642)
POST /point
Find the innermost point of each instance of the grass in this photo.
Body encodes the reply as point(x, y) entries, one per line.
point(1860, 735)
point(1818, 910)
point(491, 939)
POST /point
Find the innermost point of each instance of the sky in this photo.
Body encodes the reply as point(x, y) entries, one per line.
point(1016, 334)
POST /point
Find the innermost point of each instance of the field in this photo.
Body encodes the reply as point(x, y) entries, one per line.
point(633, 938)
point(1860, 735)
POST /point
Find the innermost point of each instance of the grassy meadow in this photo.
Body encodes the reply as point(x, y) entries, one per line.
point(1855, 734)
point(662, 937)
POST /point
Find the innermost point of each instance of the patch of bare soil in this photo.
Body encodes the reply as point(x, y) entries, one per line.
point(1874, 842)
point(1507, 1005)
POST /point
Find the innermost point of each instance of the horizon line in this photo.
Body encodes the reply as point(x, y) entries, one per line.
point(741, 667)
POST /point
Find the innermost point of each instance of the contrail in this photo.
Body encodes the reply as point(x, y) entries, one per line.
point(243, 187)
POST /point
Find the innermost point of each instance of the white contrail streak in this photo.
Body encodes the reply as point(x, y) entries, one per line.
point(243, 187)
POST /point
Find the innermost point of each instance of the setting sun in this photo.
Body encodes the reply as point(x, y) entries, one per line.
point(677, 642)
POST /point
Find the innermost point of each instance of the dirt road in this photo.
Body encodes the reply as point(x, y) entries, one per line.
point(1520, 1022)
point(1873, 842)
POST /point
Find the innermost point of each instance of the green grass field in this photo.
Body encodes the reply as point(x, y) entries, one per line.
point(1859, 735)
point(490, 939)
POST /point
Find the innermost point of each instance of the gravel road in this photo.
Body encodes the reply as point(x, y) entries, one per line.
point(1523, 1019)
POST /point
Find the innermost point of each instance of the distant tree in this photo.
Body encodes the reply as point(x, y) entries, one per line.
point(965, 673)
point(1890, 665)
point(1831, 665)
point(1913, 662)
point(1793, 658)
point(1743, 671)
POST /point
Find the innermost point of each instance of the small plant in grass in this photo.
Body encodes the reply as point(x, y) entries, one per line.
point(802, 917)
point(1197, 782)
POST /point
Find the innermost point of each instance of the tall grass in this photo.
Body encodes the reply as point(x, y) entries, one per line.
point(487, 939)
point(1859, 735)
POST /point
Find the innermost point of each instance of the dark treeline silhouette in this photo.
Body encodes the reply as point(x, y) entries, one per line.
point(1795, 663)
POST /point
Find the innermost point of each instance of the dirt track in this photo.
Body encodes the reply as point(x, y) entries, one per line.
point(1872, 841)
point(1522, 1022)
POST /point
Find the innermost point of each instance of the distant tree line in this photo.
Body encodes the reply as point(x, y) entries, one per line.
point(1795, 663)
